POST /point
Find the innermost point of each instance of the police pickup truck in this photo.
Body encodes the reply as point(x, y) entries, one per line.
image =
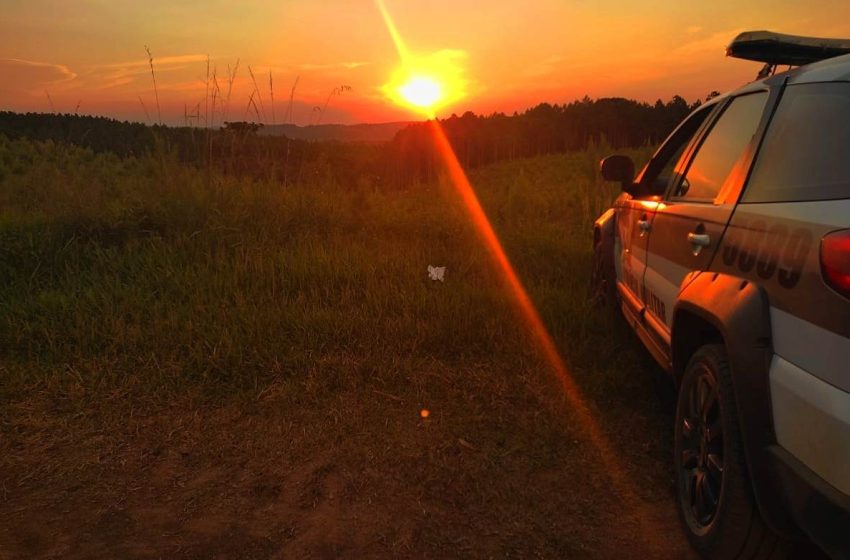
point(729, 255)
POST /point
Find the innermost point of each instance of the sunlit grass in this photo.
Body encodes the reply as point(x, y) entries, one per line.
point(141, 269)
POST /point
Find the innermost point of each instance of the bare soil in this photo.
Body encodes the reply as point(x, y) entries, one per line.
point(359, 474)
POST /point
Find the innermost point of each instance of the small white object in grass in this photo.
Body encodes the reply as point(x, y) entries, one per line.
point(437, 273)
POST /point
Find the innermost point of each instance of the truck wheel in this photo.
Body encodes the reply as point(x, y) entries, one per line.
point(715, 498)
point(603, 290)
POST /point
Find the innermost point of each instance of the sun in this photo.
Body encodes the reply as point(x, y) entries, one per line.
point(424, 82)
point(421, 91)
point(428, 83)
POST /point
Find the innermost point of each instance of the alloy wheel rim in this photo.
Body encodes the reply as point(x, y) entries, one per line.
point(701, 458)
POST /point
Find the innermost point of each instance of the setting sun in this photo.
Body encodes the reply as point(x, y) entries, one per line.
point(428, 83)
point(425, 82)
point(421, 91)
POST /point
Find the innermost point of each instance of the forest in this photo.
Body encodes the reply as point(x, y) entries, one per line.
point(410, 157)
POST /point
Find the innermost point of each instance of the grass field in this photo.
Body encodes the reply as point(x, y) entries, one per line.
point(201, 366)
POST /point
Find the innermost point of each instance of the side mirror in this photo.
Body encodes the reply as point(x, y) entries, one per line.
point(620, 169)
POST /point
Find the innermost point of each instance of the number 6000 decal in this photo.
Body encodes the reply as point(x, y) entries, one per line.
point(770, 251)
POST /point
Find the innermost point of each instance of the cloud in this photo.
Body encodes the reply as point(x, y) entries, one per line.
point(715, 43)
point(164, 61)
point(335, 66)
point(31, 76)
point(183, 73)
point(115, 75)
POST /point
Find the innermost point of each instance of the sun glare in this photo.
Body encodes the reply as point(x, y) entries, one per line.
point(426, 83)
point(421, 91)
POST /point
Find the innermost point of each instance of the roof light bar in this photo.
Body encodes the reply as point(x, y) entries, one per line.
point(781, 49)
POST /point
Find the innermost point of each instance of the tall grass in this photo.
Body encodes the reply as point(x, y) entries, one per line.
point(155, 90)
point(50, 102)
point(257, 97)
point(149, 273)
point(337, 91)
point(288, 119)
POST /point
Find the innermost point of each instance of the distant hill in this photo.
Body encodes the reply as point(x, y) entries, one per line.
point(381, 132)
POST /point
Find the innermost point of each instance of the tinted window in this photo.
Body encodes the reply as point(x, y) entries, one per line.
point(719, 160)
point(659, 171)
point(806, 151)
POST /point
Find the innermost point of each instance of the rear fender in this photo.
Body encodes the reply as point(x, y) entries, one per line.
point(739, 311)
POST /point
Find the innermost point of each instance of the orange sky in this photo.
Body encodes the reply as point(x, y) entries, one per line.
point(514, 54)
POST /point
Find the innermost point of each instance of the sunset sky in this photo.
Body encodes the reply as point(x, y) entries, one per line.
point(89, 55)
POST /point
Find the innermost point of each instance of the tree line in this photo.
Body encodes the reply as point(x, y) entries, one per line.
point(409, 157)
point(543, 129)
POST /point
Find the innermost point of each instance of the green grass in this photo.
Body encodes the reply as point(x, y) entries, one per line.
point(146, 272)
point(253, 361)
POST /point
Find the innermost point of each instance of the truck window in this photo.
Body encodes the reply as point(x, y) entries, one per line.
point(659, 173)
point(806, 150)
point(719, 158)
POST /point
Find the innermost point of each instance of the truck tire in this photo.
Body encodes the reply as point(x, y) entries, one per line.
point(603, 285)
point(715, 498)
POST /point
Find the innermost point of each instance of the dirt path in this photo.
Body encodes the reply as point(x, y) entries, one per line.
point(359, 475)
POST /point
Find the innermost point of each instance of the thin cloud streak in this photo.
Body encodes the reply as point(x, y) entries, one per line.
point(334, 66)
point(66, 73)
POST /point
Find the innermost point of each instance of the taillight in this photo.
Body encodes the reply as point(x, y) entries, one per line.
point(835, 260)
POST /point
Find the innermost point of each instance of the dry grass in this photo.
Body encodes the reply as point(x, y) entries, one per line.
point(155, 89)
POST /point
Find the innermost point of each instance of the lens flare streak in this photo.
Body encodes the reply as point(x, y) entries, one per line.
point(526, 309)
point(524, 305)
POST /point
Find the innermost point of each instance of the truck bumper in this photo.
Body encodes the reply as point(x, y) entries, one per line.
point(812, 454)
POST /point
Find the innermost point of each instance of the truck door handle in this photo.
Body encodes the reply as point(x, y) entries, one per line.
point(644, 226)
point(699, 239)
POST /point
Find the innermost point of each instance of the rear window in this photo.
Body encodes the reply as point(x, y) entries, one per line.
point(806, 151)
